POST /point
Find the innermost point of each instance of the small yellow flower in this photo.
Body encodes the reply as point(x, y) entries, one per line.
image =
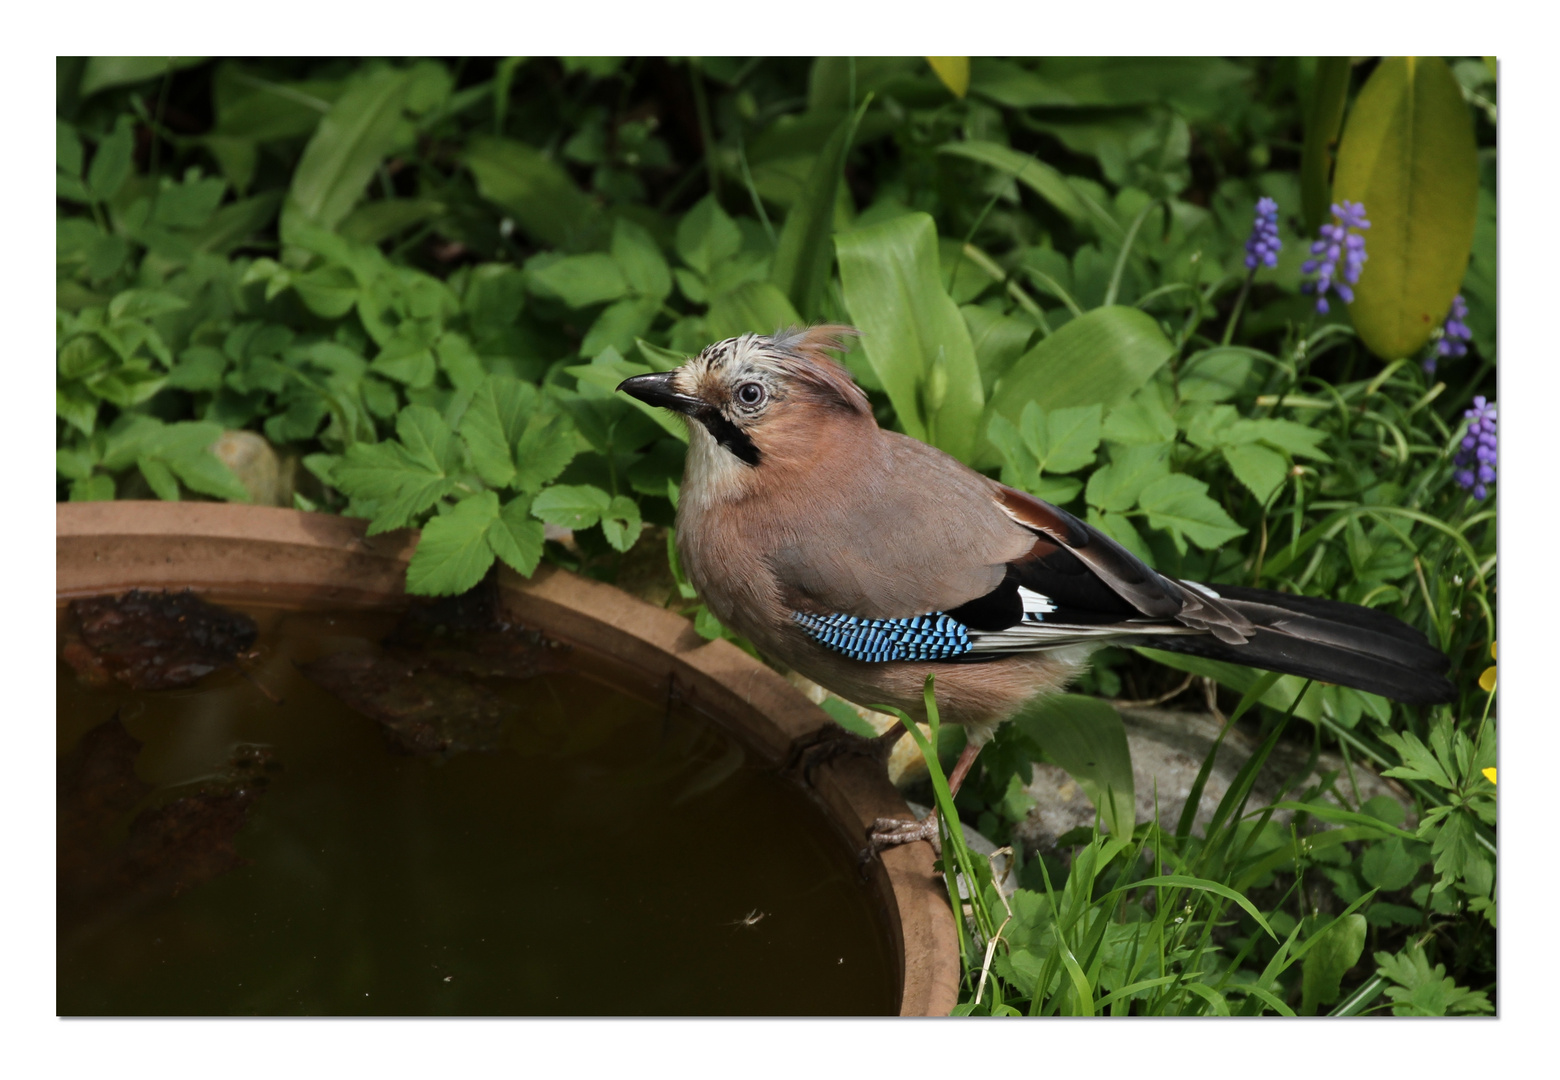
point(1487, 676)
point(1489, 774)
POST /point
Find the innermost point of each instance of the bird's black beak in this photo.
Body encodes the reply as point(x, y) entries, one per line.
point(656, 389)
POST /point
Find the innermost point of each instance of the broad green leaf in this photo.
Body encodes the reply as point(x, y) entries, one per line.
point(639, 257)
point(912, 332)
point(1073, 437)
point(1213, 375)
point(580, 280)
point(98, 488)
point(802, 259)
point(493, 424)
point(536, 190)
point(453, 552)
point(144, 304)
point(1260, 469)
point(1141, 420)
point(608, 370)
point(375, 222)
point(755, 307)
point(544, 449)
point(1085, 736)
point(363, 126)
point(571, 506)
point(1181, 504)
point(1102, 358)
point(1132, 469)
point(328, 291)
point(1425, 991)
point(953, 72)
point(1388, 866)
point(621, 522)
point(517, 537)
point(1323, 118)
point(1034, 174)
point(621, 324)
point(111, 164)
point(1408, 154)
point(159, 478)
point(706, 236)
point(427, 438)
point(998, 339)
point(103, 72)
point(1337, 949)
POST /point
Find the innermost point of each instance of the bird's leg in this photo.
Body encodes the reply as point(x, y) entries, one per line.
point(832, 741)
point(891, 832)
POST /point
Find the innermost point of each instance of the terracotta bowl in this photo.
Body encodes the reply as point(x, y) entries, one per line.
point(260, 556)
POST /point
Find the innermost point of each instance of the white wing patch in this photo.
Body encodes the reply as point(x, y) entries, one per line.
point(1036, 633)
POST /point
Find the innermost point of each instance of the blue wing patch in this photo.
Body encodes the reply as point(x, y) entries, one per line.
point(920, 637)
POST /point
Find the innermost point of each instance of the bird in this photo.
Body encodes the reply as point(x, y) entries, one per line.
point(866, 560)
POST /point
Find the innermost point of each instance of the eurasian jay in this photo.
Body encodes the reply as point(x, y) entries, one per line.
point(865, 559)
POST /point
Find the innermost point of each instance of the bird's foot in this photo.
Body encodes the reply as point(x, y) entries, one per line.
point(891, 832)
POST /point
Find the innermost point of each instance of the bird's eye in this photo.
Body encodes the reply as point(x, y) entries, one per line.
point(750, 393)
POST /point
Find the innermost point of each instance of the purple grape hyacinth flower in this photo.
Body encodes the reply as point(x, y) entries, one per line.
point(1475, 458)
point(1455, 335)
point(1263, 246)
point(1337, 241)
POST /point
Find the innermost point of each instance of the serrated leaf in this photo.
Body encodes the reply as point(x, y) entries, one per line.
point(571, 506)
point(453, 552)
point(1296, 438)
point(394, 485)
point(144, 304)
point(1260, 469)
point(493, 424)
point(620, 522)
point(755, 307)
point(1074, 436)
point(543, 451)
point(536, 190)
point(1181, 505)
point(1418, 762)
point(427, 439)
point(621, 324)
point(1131, 469)
point(110, 166)
point(517, 537)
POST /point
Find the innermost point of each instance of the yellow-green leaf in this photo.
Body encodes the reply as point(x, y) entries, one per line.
point(954, 71)
point(1408, 154)
point(1085, 736)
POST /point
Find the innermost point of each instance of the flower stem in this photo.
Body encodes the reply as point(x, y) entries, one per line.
point(1240, 303)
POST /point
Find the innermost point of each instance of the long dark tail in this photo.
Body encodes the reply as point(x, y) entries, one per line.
point(1330, 641)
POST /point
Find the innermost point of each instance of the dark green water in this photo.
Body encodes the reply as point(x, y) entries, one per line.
point(612, 857)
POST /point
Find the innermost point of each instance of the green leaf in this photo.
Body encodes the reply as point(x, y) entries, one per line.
point(1181, 504)
point(706, 236)
point(580, 280)
point(620, 325)
point(1387, 865)
point(1141, 420)
point(394, 485)
point(572, 506)
point(1323, 118)
point(536, 190)
point(1425, 991)
point(375, 222)
point(1121, 530)
point(1260, 469)
point(640, 258)
point(1336, 950)
point(98, 488)
point(912, 332)
point(144, 304)
point(517, 537)
point(159, 478)
point(998, 339)
point(1039, 177)
point(1131, 470)
point(453, 552)
point(1085, 736)
point(493, 423)
point(1074, 436)
point(755, 307)
point(1418, 761)
point(803, 255)
point(1102, 358)
point(1408, 154)
point(103, 72)
point(620, 522)
point(110, 166)
point(363, 126)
